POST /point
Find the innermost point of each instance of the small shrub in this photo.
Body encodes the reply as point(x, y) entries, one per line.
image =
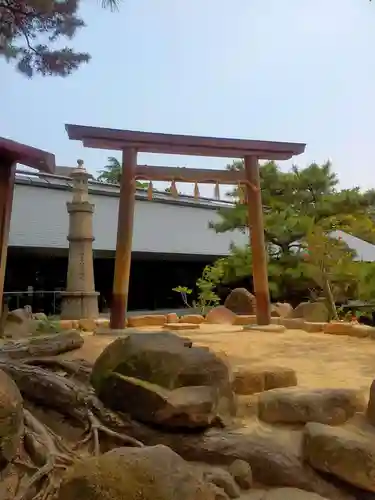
point(45, 326)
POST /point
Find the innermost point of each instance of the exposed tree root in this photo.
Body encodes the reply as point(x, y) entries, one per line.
point(63, 386)
point(48, 454)
point(93, 434)
point(46, 345)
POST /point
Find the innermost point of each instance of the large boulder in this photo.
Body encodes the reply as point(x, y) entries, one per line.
point(314, 312)
point(294, 405)
point(150, 473)
point(241, 301)
point(185, 407)
point(345, 452)
point(155, 368)
point(11, 419)
point(220, 315)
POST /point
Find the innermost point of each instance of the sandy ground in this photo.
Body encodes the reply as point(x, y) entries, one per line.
point(320, 360)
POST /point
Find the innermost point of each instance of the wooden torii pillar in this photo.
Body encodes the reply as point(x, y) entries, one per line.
point(131, 143)
point(11, 153)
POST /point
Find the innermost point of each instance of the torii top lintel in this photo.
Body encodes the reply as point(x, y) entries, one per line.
point(15, 152)
point(146, 142)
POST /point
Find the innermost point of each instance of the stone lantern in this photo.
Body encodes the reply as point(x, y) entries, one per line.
point(80, 300)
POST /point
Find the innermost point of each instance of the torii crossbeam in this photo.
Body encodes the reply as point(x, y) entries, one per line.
point(131, 143)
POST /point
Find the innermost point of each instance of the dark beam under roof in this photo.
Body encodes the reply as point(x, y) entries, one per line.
point(146, 142)
point(26, 155)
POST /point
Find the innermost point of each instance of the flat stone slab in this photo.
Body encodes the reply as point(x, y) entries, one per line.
point(192, 318)
point(293, 323)
point(147, 320)
point(245, 319)
point(350, 329)
point(181, 326)
point(294, 405)
point(105, 330)
point(247, 381)
point(266, 328)
point(313, 327)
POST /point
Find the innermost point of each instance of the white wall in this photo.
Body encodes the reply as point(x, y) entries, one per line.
point(40, 219)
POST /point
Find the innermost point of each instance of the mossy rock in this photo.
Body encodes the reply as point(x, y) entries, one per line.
point(149, 473)
point(182, 408)
point(166, 360)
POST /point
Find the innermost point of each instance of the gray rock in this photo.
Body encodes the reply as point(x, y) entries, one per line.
point(298, 406)
point(185, 407)
point(165, 366)
point(223, 479)
point(315, 312)
point(149, 473)
point(273, 454)
point(346, 452)
point(242, 474)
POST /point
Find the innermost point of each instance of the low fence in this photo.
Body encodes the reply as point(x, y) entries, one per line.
point(47, 301)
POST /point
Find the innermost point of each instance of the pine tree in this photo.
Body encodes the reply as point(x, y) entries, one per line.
point(30, 30)
point(294, 203)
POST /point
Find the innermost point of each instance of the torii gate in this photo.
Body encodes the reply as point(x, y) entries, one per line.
point(11, 153)
point(131, 143)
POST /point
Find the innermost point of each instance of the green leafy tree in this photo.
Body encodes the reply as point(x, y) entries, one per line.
point(294, 202)
point(31, 29)
point(330, 264)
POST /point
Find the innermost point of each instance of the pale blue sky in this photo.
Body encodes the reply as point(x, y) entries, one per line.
point(293, 70)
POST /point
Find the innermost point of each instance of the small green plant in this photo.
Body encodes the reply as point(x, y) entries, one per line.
point(345, 314)
point(184, 291)
point(47, 325)
point(206, 285)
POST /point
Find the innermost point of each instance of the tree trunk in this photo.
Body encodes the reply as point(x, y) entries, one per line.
point(329, 297)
